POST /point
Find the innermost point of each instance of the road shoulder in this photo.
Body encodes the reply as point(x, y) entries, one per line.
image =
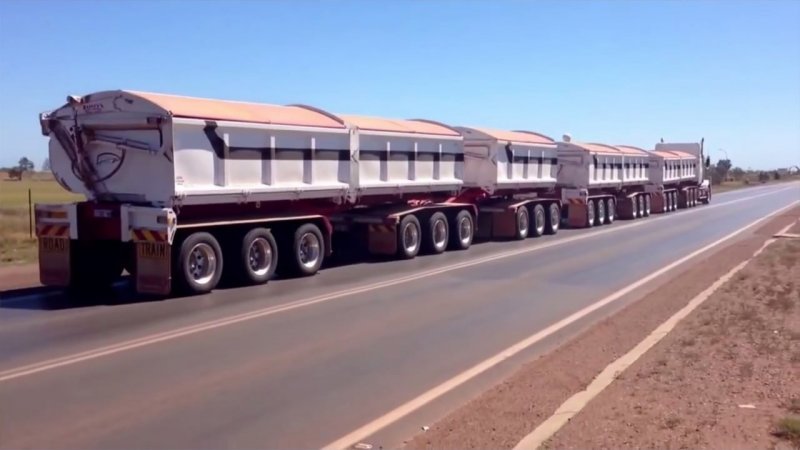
point(503, 415)
point(725, 377)
point(19, 277)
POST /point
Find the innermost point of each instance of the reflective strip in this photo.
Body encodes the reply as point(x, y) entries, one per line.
point(145, 235)
point(381, 228)
point(52, 230)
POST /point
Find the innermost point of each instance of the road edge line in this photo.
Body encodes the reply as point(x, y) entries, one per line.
point(428, 396)
point(577, 402)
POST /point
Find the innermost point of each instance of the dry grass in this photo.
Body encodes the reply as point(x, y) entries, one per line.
point(788, 429)
point(16, 244)
point(733, 185)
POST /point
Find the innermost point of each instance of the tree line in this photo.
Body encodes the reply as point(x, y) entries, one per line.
point(723, 170)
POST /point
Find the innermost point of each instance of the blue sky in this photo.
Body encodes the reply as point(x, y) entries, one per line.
point(624, 71)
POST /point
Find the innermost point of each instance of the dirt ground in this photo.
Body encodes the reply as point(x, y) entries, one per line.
point(722, 379)
point(662, 413)
point(18, 276)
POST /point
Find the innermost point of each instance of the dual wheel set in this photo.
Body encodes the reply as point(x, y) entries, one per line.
point(603, 210)
point(434, 233)
point(537, 219)
point(248, 257)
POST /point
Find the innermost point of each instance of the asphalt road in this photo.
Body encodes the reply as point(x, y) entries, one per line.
point(300, 363)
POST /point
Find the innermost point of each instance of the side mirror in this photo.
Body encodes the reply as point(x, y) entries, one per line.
point(708, 162)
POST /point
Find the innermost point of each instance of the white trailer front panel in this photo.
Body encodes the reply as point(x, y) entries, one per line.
point(589, 166)
point(497, 160)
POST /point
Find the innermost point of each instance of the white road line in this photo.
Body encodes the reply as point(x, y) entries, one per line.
point(403, 410)
point(577, 402)
point(272, 310)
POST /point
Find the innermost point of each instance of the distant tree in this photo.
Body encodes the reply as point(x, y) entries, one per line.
point(46, 165)
point(763, 177)
point(25, 164)
point(722, 167)
point(776, 175)
point(737, 173)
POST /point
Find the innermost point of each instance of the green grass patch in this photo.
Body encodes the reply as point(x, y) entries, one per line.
point(16, 244)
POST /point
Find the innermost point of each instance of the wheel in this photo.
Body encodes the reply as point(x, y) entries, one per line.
point(539, 220)
point(199, 263)
point(640, 202)
point(634, 208)
point(553, 218)
point(522, 223)
point(675, 200)
point(303, 254)
point(611, 210)
point(408, 237)
point(647, 208)
point(463, 231)
point(693, 193)
point(437, 235)
point(590, 213)
point(601, 211)
point(668, 202)
point(258, 256)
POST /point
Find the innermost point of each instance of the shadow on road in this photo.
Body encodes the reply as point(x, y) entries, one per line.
point(43, 298)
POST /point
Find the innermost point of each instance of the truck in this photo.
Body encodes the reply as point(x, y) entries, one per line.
point(183, 191)
point(600, 182)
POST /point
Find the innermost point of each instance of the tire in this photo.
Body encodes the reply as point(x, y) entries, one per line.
point(634, 208)
point(675, 201)
point(522, 223)
point(600, 219)
point(463, 231)
point(611, 210)
point(553, 219)
point(539, 220)
point(199, 264)
point(647, 206)
point(258, 257)
point(408, 237)
point(668, 202)
point(640, 203)
point(590, 215)
point(306, 251)
point(437, 234)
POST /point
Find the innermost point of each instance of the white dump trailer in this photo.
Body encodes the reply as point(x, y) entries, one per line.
point(600, 182)
point(511, 176)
